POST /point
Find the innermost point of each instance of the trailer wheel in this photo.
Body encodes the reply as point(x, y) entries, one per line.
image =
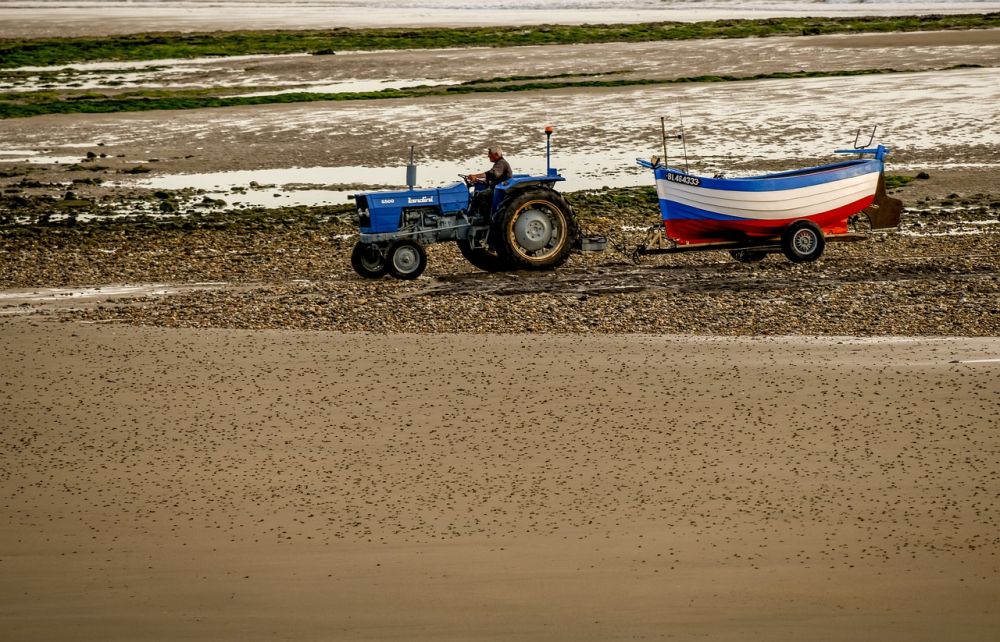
point(748, 256)
point(802, 241)
point(407, 260)
point(367, 261)
point(537, 229)
point(486, 259)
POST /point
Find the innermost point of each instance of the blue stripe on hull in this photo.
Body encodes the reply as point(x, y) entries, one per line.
point(673, 210)
point(777, 182)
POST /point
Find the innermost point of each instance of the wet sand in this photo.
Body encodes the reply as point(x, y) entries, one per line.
point(44, 22)
point(165, 484)
point(24, 20)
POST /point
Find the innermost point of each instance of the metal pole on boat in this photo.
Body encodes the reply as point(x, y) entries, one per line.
point(683, 141)
point(663, 138)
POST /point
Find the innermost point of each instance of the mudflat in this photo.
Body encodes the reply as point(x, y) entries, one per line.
point(931, 115)
point(164, 483)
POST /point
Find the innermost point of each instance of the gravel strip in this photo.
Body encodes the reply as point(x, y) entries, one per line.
point(939, 275)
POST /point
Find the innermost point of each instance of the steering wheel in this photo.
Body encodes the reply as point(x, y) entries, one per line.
point(465, 179)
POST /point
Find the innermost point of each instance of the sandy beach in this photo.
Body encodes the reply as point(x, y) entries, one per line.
point(212, 429)
point(215, 484)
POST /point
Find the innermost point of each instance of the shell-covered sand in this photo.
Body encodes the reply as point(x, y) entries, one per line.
point(213, 484)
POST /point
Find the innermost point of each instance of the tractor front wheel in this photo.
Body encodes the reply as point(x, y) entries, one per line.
point(407, 260)
point(537, 229)
point(367, 261)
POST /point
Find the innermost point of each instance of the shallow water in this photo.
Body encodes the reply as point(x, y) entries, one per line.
point(291, 186)
point(354, 85)
point(60, 17)
point(34, 158)
point(600, 133)
point(735, 128)
point(177, 73)
point(231, 72)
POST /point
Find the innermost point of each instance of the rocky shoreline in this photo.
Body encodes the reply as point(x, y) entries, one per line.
point(938, 275)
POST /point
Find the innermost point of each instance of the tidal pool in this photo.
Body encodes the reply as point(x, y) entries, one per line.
point(333, 185)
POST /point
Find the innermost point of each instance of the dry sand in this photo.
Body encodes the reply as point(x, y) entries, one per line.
point(182, 484)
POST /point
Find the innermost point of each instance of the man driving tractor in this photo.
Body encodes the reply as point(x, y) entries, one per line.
point(500, 172)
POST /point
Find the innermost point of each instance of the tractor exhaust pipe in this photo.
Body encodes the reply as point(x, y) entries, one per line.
point(411, 172)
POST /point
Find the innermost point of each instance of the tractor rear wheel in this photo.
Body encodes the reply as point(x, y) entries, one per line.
point(484, 258)
point(407, 260)
point(367, 261)
point(802, 241)
point(537, 229)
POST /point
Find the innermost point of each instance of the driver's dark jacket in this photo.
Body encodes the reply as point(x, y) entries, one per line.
point(500, 172)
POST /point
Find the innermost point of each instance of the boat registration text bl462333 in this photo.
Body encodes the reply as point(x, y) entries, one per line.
point(686, 180)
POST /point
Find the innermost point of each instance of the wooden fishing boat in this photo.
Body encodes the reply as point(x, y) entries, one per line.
point(794, 212)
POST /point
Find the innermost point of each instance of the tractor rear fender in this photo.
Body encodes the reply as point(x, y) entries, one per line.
point(519, 182)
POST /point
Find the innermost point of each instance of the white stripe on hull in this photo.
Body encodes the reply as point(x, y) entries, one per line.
point(775, 204)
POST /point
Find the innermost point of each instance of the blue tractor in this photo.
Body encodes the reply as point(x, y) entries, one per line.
point(529, 225)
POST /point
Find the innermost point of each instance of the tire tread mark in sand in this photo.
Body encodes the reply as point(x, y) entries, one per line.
point(606, 280)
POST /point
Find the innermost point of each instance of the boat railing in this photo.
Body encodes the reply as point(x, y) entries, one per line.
point(878, 152)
